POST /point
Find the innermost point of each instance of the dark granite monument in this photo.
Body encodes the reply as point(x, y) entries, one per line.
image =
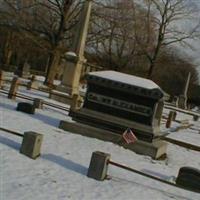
point(115, 101)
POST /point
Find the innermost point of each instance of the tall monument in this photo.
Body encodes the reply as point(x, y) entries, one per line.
point(75, 57)
point(182, 103)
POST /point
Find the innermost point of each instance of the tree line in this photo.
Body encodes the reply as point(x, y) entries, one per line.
point(138, 37)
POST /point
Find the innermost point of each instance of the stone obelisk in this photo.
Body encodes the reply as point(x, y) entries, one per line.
point(75, 57)
point(182, 103)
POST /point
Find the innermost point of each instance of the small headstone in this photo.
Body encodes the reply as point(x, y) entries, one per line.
point(31, 144)
point(38, 103)
point(98, 166)
point(25, 70)
point(189, 177)
point(26, 107)
point(13, 88)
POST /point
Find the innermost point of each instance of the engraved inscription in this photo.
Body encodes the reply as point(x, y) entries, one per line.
point(119, 104)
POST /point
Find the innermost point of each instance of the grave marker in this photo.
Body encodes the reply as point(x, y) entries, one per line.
point(13, 88)
point(31, 144)
point(115, 101)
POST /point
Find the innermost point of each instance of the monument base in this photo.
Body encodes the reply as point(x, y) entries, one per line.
point(115, 124)
point(155, 149)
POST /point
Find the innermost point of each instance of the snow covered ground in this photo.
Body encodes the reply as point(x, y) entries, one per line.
point(60, 172)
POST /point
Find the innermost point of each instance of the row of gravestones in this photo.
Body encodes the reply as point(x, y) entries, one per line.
point(188, 177)
point(32, 141)
point(29, 108)
point(15, 84)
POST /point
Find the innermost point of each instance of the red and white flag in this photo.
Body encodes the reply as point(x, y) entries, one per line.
point(129, 136)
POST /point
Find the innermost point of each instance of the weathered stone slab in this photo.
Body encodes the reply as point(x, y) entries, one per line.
point(31, 144)
point(98, 166)
point(155, 149)
point(26, 107)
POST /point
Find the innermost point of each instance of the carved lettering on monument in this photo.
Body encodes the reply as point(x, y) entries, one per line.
point(120, 104)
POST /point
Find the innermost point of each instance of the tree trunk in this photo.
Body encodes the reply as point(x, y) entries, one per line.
point(52, 68)
point(8, 56)
point(7, 50)
point(150, 71)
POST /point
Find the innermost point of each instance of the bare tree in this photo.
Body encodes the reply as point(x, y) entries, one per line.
point(112, 34)
point(46, 22)
point(166, 15)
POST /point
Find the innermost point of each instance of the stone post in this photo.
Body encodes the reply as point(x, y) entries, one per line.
point(75, 58)
point(31, 144)
point(183, 98)
point(30, 83)
point(38, 103)
point(98, 166)
point(13, 88)
point(1, 78)
point(170, 118)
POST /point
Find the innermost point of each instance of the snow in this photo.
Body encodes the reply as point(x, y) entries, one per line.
point(126, 78)
point(60, 172)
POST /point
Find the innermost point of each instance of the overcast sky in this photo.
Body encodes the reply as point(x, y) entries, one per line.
point(196, 44)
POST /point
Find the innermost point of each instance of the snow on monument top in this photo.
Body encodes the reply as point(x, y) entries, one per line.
point(126, 79)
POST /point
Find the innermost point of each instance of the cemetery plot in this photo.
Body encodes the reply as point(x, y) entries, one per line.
point(65, 158)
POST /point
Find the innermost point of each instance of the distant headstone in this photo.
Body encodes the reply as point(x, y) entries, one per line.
point(26, 70)
point(31, 144)
point(26, 107)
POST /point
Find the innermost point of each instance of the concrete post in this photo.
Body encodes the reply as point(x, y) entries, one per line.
point(74, 63)
point(13, 88)
point(1, 78)
point(31, 144)
point(98, 166)
point(30, 83)
point(171, 117)
point(38, 103)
